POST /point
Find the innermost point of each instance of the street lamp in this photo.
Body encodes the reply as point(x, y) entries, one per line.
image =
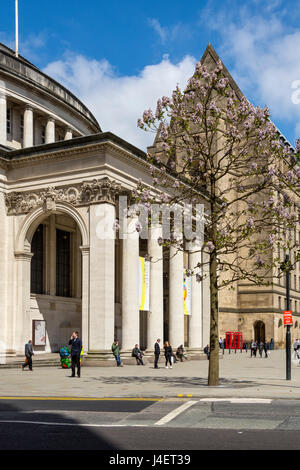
point(286, 267)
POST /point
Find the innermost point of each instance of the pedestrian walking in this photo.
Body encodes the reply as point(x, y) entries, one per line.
point(261, 348)
point(116, 352)
point(28, 355)
point(76, 347)
point(220, 343)
point(206, 351)
point(266, 349)
point(253, 347)
point(137, 353)
point(168, 354)
point(156, 353)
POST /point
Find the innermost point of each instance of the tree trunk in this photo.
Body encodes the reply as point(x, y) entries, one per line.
point(213, 372)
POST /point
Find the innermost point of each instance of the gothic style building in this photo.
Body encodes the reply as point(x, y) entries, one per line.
point(60, 186)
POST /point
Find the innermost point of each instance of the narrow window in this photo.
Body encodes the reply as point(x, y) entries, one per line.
point(37, 262)
point(63, 268)
point(8, 121)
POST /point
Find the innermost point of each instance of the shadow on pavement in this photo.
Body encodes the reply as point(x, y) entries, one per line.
point(21, 430)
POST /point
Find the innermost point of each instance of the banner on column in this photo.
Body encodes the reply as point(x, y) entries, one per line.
point(144, 283)
point(187, 286)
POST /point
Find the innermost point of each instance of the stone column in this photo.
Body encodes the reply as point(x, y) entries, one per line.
point(155, 324)
point(195, 320)
point(3, 117)
point(4, 276)
point(101, 280)
point(130, 287)
point(28, 127)
point(23, 326)
point(50, 131)
point(176, 301)
point(68, 134)
point(85, 250)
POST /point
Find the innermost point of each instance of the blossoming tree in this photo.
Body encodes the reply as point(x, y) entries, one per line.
point(212, 141)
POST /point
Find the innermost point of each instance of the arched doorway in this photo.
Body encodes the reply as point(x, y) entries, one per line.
point(259, 331)
point(52, 266)
point(55, 279)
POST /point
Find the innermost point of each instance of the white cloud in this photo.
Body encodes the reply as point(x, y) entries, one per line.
point(266, 57)
point(118, 101)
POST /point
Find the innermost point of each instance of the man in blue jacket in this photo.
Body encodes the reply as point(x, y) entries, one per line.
point(76, 346)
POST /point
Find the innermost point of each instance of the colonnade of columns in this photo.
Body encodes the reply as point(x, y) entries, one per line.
point(102, 290)
point(28, 125)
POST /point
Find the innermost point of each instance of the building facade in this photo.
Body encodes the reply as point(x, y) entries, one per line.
point(257, 311)
point(62, 264)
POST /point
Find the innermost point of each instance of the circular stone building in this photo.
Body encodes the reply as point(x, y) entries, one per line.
point(63, 183)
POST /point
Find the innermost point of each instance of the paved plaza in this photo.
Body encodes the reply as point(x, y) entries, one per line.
point(240, 377)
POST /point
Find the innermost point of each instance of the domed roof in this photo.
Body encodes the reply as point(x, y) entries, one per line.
point(22, 70)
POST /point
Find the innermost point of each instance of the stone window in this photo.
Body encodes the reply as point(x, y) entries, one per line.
point(37, 262)
point(8, 121)
point(63, 263)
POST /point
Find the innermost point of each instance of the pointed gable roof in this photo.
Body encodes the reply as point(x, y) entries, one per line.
point(210, 56)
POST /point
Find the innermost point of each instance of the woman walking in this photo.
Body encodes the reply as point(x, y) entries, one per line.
point(168, 354)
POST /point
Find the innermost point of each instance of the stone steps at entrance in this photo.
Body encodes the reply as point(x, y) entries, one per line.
point(53, 360)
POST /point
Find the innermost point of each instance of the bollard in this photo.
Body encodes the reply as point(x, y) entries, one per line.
point(229, 349)
point(223, 347)
point(235, 349)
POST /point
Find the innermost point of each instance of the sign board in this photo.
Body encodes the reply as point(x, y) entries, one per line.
point(144, 284)
point(287, 317)
point(187, 286)
point(39, 332)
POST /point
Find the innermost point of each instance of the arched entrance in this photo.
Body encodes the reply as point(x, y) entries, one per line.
point(52, 269)
point(259, 331)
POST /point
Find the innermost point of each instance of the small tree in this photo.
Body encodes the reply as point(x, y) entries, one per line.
point(216, 143)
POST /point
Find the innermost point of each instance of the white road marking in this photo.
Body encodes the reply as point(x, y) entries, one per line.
point(173, 414)
point(239, 400)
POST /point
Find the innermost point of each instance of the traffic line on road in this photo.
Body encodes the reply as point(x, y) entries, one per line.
point(239, 400)
point(173, 414)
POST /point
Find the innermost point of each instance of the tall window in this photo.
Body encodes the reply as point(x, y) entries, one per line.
point(8, 121)
point(22, 126)
point(43, 134)
point(63, 267)
point(37, 262)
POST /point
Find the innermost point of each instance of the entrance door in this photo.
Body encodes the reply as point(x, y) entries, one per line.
point(259, 331)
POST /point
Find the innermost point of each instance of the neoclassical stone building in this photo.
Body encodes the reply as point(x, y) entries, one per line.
point(60, 186)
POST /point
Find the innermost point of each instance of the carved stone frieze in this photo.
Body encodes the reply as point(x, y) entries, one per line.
point(96, 191)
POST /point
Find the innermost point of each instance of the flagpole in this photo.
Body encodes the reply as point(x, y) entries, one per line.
point(17, 27)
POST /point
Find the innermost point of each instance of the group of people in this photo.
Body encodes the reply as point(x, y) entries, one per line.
point(170, 357)
point(260, 346)
point(76, 347)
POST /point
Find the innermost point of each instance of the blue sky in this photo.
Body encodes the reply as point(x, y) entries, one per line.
point(120, 57)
